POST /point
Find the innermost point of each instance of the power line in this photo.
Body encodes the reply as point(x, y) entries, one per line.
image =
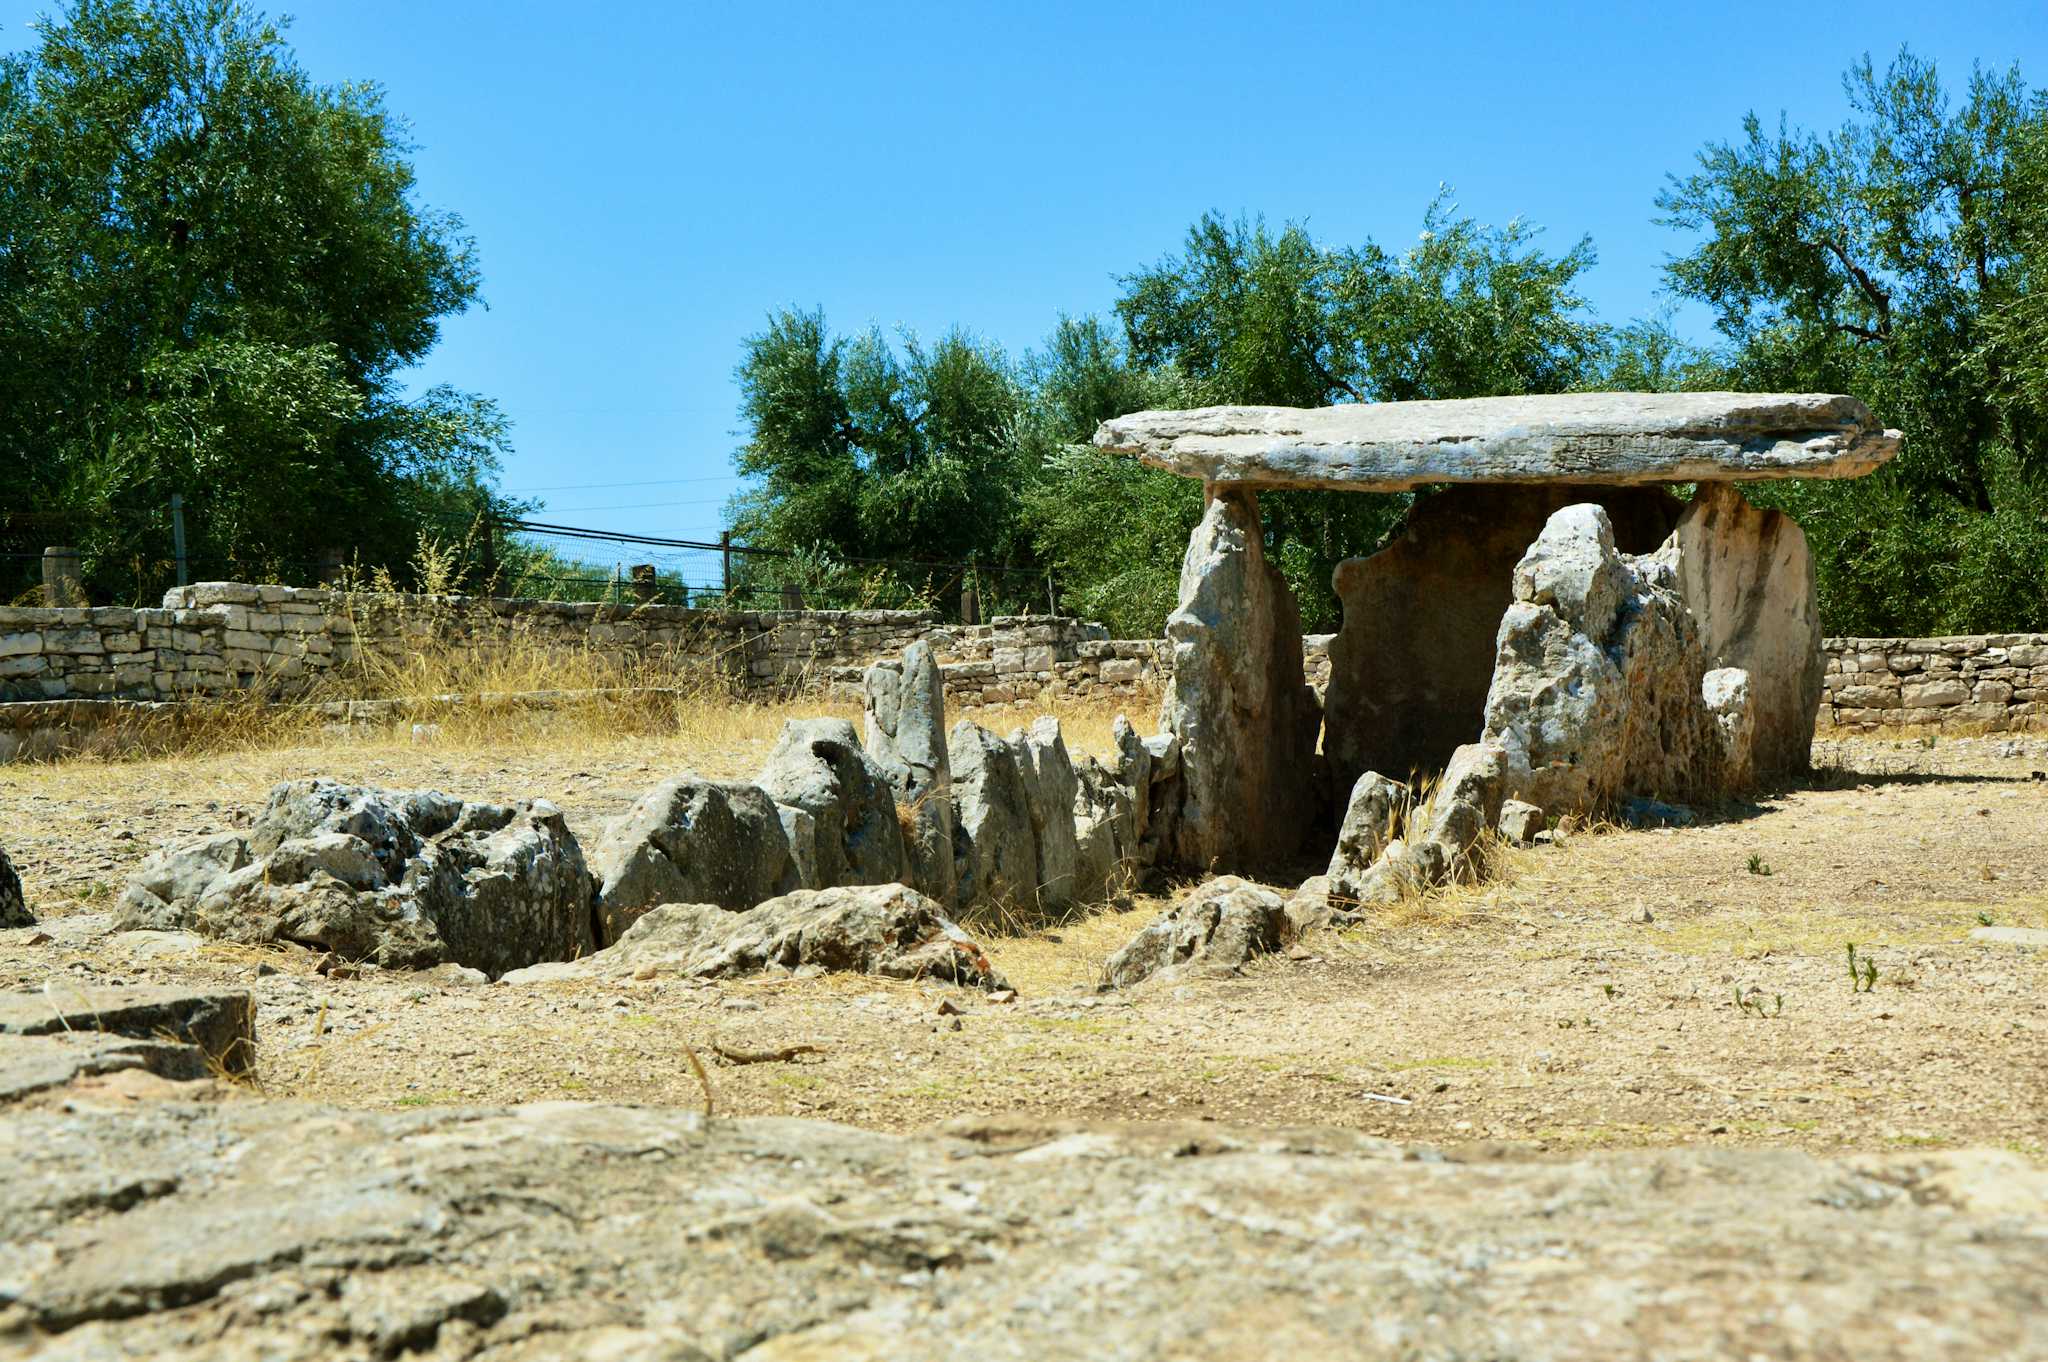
point(607, 486)
point(637, 506)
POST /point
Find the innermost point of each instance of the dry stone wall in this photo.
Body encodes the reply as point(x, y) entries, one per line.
point(220, 637)
point(217, 638)
point(1974, 682)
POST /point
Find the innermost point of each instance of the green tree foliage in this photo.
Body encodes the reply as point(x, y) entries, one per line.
point(1899, 258)
point(212, 273)
point(873, 457)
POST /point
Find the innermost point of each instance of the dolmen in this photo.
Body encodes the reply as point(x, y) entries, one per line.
point(1582, 610)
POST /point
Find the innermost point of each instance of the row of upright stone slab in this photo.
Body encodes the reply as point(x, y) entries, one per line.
point(413, 879)
point(1554, 596)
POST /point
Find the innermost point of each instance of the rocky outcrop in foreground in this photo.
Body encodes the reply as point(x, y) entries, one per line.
point(250, 1230)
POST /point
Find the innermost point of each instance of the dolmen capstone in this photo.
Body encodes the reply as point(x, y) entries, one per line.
point(1554, 624)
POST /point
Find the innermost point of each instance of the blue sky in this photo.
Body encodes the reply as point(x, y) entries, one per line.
point(646, 181)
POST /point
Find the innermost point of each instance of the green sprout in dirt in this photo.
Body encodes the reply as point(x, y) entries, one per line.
point(1758, 865)
point(1862, 973)
point(1751, 1003)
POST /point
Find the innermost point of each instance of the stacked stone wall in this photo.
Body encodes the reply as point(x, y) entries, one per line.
point(220, 638)
point(1968, 683)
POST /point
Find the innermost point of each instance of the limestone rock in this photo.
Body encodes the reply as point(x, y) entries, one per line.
point(166, 887)
point(13, 903)
point(1410, 668)
point(1404, 869)
point(1053, 793)
point(219, 1025)
point(1623, 438)
point(1377, 809)
point(995, 850)
point(1731, 700)
point(1519, 823)
point(33, 1064)
point(818, 766)
point(1218, 928)
point(691, 841)
point(1309, 907)
point(297, 1233)
point(1106, 861)
point(885, 929)
point(1245, 719)
point(405, 879)
point(905, 725)
point(1467, 799)
point(1747, 577)
point(1597, 683)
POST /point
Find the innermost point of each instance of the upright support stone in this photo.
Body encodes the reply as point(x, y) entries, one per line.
point(1245, 718)
point(906, 735)
point(1747, 577)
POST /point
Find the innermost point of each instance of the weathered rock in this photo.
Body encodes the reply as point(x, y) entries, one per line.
point(818, 766)
point(293, 1233)
point(13, 903)
point(1106, 858)
point(1309, 907)
point(405, 879)
point(1404, 870)
point(1519, 823)
point(1624, 438)
point(1053, 794)
point(1218, 928)
point(1747, 576)
point(1245, 719)
point(1375, 813)
point(1597, 684)
point(906, 734)
point(33, 1064)
point(691, 841)
point(1731, 700)
point(1410, 668)
point(166, 887)
point(995, 851)
point(885, 929)
point(219, 1025)
point(1467, 800)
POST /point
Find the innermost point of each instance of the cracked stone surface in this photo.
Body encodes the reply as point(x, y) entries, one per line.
point(285, 1231)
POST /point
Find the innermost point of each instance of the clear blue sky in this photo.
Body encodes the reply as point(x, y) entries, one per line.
point(646, 180)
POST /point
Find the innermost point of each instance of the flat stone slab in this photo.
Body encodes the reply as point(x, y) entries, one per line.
point(32, 1064)
point(2012, 936)
point(220, 1024)
point(1608, 438)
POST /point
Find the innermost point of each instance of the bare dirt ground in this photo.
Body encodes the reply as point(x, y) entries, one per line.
point(1541, 1013)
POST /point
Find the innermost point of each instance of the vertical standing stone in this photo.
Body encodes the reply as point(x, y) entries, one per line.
point(1747, 577)
point(1245, 718)
point(906, 735)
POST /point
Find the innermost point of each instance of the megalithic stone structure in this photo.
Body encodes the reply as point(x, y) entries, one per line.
point(1424, 627)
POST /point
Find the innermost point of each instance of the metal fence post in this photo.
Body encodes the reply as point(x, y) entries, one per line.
point(725, 561)
point(178, 538)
